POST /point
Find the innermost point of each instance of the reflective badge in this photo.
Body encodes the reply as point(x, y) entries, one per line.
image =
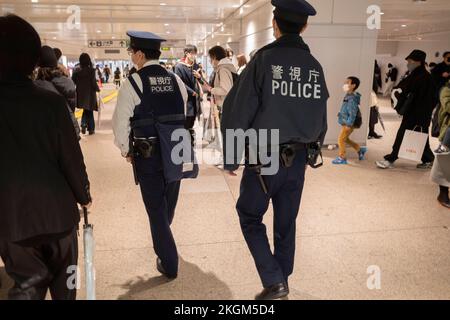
point(161, 85)
point(296, 86)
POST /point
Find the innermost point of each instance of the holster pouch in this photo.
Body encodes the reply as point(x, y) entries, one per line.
point(314, 152)
point(145, 147)
point(287, 155)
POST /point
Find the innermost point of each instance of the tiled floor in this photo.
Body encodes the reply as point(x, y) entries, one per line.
point(351, 218)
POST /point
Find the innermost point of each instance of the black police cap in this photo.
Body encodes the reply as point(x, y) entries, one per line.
point(296, 11)
point(144, 40)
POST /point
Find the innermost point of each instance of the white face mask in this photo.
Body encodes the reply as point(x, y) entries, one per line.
point(346, 88)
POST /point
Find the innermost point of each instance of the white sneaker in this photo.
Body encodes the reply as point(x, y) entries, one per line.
point(385, 164)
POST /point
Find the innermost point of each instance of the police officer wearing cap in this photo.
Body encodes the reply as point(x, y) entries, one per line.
point(148, 98)
point(283, 88)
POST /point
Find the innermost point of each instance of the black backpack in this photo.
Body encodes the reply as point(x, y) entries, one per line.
point(358, 120)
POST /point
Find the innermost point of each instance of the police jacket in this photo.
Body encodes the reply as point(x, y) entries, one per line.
point(42, 171)
point(127, 101)
point(283, 87)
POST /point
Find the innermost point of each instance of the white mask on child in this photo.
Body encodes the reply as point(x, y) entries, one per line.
point(346, 87)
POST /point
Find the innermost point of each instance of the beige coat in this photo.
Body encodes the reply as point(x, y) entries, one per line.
point(223, 82)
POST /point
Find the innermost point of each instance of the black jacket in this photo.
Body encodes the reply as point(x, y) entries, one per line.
point(421, 85)
point(65, 87)
point(282, 88)
point(42, 171)
point(186, 74)
point(437, 74)
point(87, 87)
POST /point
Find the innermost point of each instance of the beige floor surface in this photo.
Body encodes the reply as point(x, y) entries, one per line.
point(352, 217)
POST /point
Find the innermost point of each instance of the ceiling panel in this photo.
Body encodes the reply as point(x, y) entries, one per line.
point(194, 20)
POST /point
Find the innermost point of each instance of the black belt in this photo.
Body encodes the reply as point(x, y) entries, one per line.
point(151, 121)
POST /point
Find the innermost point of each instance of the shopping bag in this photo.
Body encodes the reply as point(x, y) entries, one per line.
point(413, 145)
point(100, 105)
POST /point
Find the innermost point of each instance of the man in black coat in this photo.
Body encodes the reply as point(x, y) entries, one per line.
point(42, 174)
point(418, 96)
point(185, 69)
point(441, 73)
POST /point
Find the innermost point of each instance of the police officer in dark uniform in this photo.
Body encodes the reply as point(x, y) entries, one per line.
point(151, 105)
point(283, 88)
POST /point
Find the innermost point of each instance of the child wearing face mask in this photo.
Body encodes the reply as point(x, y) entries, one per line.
point(346, 118)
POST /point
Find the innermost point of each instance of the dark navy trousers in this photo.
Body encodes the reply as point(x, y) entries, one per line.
point(285, 190)
point(160, 201)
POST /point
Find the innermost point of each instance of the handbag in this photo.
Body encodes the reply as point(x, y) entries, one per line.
point(403, 102)
point(358, 120)
point(413, 145)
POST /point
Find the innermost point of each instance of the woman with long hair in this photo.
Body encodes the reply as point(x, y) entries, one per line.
point(87, 87)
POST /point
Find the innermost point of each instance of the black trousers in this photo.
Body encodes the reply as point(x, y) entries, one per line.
point(46, 266)
point(408, 124)
point(373, 120)
point(160, 199)
point(285, 190)
point(189, 125)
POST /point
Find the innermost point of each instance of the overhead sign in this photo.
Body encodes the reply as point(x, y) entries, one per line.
point(107, 43)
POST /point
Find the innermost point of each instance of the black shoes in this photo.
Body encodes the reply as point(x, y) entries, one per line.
point(425, 165)
point(160, 268)
point(444, 201)
point(277, 291)
point(374, 135)
point(83, 130)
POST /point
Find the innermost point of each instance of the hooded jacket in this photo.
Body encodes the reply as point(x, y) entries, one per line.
point(223, 81)
point(64, 87)
point(349, 109)
point(444, 113)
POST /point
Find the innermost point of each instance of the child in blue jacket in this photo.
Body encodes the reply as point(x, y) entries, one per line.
point(346, 119)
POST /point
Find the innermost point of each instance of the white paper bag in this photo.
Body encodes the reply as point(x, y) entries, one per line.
point(413, 145)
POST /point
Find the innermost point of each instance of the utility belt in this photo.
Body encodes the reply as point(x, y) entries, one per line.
point(288, 152)
point(163, 145)
point(145, 147)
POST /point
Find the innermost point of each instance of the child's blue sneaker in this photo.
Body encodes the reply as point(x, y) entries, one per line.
point(339, 160)
point(362, 153)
